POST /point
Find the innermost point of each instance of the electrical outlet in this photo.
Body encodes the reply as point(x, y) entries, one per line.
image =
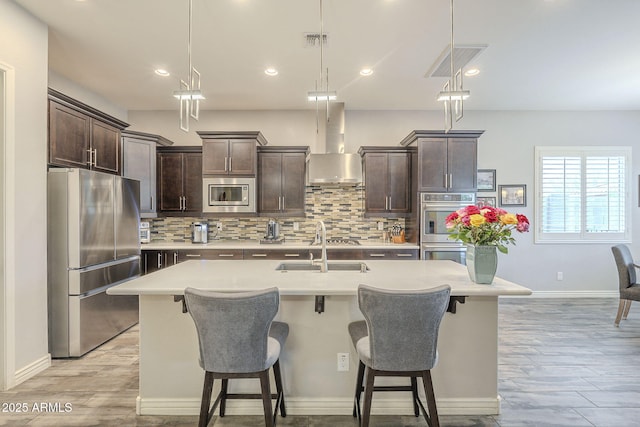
point(343, 362)
point(219, 226)
point(559, 275)
point(296, 226)
point(380, 226)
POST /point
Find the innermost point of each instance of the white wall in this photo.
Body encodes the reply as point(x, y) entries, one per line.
point(507, 146)
point(23, 46)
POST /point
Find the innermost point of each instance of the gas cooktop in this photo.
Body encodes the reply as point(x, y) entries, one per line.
point(342, 242)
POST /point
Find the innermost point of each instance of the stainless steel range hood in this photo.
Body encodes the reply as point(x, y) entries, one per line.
point(333, 165)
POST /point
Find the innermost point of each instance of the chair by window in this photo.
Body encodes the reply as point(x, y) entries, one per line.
point(238, 339)
point(629, 287)
point(398, 337)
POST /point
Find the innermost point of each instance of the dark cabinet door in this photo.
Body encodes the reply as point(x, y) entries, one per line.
point(215, 155)
point(69, 136)
point(192, 181)
point(152, 260)
point(242, 157)
point(270, 182)
point(169, 167)
point(398, 171)
point(433, 164)
point(462, 164)
point(375, 182)
point(281, 187)
point(293, 188)
point(105, 142)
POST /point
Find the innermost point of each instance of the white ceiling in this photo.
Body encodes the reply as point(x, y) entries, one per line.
point(541, 54)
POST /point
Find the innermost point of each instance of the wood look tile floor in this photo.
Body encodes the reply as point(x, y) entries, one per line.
point(562, 363)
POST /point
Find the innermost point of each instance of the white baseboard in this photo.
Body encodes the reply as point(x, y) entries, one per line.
point(32, 369)
point(320, 406)
point(569, 294)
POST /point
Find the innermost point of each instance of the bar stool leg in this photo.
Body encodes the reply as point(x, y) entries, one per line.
point(368, 394)
point(206, 399)
point(356, 402)
point(266, 398)
point(431, 399)
point(223, 397)
point(414, 392)
point(278, 377)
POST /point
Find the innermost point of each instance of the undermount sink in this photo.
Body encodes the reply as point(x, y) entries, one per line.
point(332, 266)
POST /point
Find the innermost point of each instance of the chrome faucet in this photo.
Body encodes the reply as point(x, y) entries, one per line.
point(321, 234)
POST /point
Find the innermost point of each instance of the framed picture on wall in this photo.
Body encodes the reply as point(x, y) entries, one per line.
point(486, 201)
point(513, 195)
point(486, 180)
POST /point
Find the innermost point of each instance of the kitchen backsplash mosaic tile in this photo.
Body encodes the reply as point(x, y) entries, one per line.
point(340, 207)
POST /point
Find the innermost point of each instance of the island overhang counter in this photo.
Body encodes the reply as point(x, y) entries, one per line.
point(465, 379)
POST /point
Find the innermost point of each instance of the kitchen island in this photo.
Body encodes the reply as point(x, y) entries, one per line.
point(465, 379)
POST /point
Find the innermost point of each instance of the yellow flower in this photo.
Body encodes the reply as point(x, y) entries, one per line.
point(509, 219)
point(476, 220)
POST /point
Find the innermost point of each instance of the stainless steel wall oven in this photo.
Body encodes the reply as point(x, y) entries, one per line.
point(434, 237)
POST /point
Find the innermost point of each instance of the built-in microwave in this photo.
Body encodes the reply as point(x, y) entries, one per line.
point(230, 195)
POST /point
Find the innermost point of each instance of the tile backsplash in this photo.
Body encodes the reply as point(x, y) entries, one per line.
point(340, 207)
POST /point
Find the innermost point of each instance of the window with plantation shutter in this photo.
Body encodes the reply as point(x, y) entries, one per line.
point(582, 194)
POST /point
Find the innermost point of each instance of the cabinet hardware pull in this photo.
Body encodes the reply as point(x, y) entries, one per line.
point(377, 255)
point(90, 161)
point(405, 255)
point(225, 164)
point(226, 255)
point(292, 255)
point(159, 260)
point(259, 255)
point(151, 203)
point(185, 203)
point(175, 258)
point(450, 180)
point(95, 157)
point(282, 202)
point(230, 168)
point(193, 255)
point(279, 203)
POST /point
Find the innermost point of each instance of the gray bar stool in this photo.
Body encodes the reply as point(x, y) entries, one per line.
point(398, 338)
point(238, 339)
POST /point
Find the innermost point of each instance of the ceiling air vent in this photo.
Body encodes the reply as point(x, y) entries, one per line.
point(313, 39)
point(462, 55)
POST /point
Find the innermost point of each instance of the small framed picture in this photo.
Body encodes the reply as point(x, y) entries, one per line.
point(486, 180)
point(513, 195)
point(485, 201)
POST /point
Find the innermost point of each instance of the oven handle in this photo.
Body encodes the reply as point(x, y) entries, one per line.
point(449, 248)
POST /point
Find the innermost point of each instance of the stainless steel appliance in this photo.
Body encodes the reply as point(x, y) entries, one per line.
point(273, 230)
point(229, 195)
point(434, 236)
point(93, 244)
point(199, 232)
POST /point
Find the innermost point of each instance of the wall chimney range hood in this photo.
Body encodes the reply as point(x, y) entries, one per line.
point(333, 166)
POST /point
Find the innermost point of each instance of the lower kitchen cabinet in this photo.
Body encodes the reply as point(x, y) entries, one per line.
point(294, 254)
point(390, 254)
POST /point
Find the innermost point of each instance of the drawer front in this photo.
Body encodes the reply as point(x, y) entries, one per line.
point(281, 254)
point(391, 254)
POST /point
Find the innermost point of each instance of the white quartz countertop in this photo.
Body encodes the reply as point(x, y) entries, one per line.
point(254, 244)
point(237, 276)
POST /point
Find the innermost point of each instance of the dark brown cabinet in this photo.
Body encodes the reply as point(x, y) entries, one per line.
point(389, 254)
point(387, 180)
point(447, 162)
point(230, 153)
point(281, 180)
point(82, 137)
point(179, 180)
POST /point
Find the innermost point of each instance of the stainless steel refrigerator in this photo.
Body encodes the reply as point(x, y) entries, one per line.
point(93, 244)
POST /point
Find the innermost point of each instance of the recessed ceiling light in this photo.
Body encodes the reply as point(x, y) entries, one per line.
point(271, 72)
point(162, 72)
point(472, 72)
point(366, 72)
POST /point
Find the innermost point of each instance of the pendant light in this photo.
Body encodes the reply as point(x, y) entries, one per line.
point(452, 94)
point(322, 93)
point(189, 93)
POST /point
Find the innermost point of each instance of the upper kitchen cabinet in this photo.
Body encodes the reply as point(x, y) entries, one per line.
point(179, 180)
point(230, 153)
point(82, 137)
point(387, 180)
point(281, 180)
point(447, 162)
point(139, 162)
